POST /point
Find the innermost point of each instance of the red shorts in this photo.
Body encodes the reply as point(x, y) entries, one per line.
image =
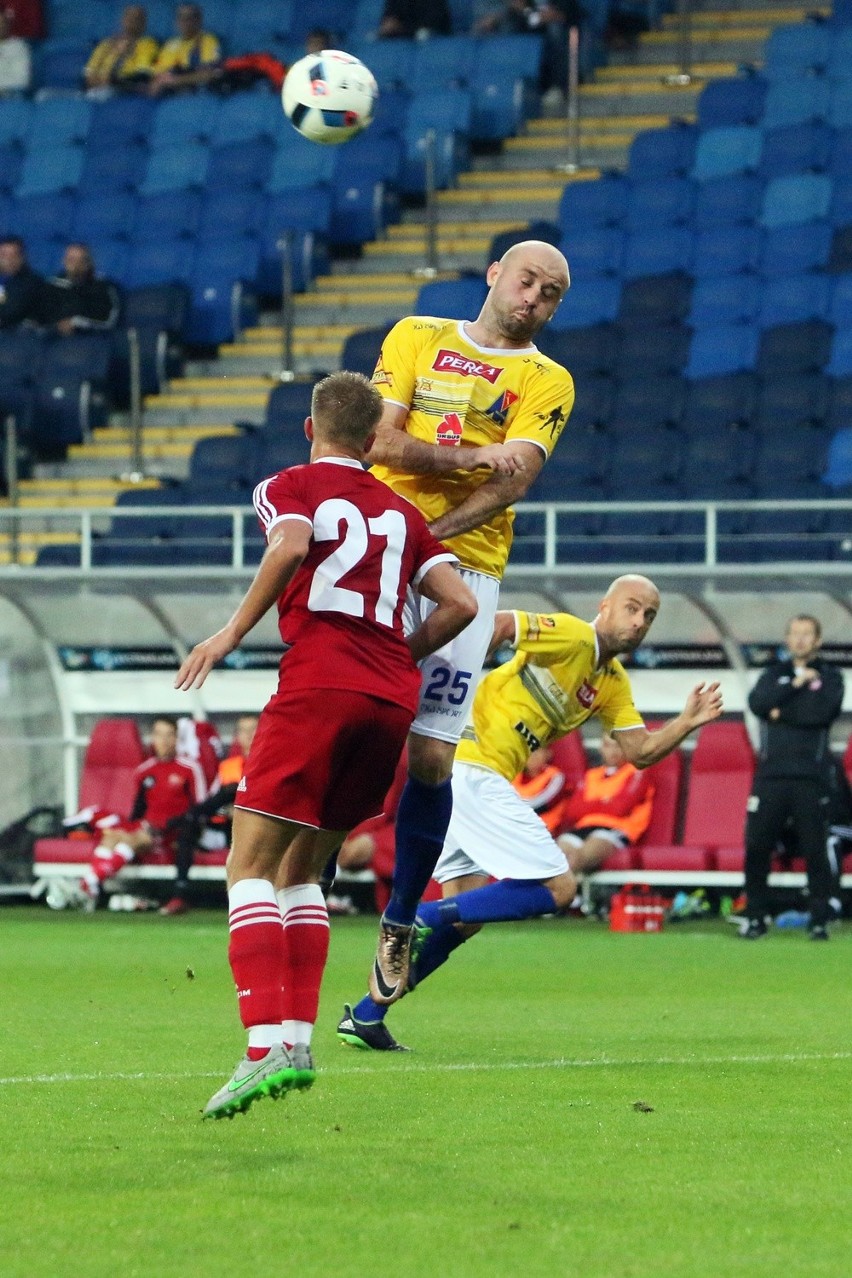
point(323, 758)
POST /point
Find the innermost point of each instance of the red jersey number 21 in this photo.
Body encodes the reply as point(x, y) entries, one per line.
point(325, 594)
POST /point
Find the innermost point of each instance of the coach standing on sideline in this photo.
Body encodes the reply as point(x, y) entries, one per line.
point(797, 701)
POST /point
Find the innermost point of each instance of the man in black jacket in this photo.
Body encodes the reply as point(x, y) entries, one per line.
point(20, 285)
point(797, 701)
point(77, 300)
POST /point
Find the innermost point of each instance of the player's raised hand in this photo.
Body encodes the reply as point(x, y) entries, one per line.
point(703, 704)
point(203, 658)
point(503, 459)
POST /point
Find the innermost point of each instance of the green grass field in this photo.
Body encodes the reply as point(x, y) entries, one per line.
point(578, 1102)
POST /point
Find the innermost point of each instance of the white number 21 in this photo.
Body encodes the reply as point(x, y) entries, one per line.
point(325, 594)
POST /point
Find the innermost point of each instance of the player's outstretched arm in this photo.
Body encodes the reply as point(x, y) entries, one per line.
point(456, 608)
point(393, 447)
point(285, 552)
point(498, 492)
point(643, 748)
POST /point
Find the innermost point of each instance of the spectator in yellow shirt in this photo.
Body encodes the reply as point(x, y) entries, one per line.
point(191, 59)
point(126, 58)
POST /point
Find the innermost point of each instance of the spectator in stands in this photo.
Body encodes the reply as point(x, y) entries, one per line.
point(26, 18)
point(208, 824)
point(317, 39)
point(15, 68)
point(796, 701)
point(548, 18)
point(124, 60)
point(168, 786)
point(77, 300)
point(191, 59)
point(20, 286)
point(541, 785)
point(610, 808)
point(414, 19)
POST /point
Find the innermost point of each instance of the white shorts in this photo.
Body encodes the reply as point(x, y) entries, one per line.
point(578, 837)
point(492, 831)
point(449, 677)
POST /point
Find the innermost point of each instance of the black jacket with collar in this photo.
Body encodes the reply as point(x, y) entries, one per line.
point(796, 742)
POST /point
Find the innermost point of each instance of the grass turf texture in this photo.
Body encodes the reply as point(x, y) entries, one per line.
point(579, 1102)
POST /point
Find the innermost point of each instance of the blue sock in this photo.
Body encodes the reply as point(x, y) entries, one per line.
point(437, 948)
point(422, 819)
point(495, 903)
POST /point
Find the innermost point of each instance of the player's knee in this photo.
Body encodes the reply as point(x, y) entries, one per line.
point(563, 889)
point(430, 761)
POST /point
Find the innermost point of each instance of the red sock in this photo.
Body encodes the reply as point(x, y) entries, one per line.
point(108, 861)
point(256, 951)
point(305, 950)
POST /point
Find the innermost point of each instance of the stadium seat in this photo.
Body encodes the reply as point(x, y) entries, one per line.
point(796, 148)
point(840, 302)
point(790, 250)
point(726, 250)
point(797, 101)
point(164, 263)
point(361, 349)
point(228, 214)
point(359, 208)
point(595, 250)
point(390, 61)
point(667, 777)
point(722, 348)
point(288, 405)
point(791, 299)
point(538, 229)
point(663, 299)
point(119, 169)
point(239, 165)
point(21, 353)
point(791, 461)
point(658, 153)
point(591, 204)
point(41, 217)
point(223, 461)
point(794, 348)
point(111, 256)
point(125, 118)
point(722, 765)
point(455, 299)
point(223, 274)
point(443, 61)
point(648, 348)
point(59, 122)
point(672, 858)
point(728, 201)
point(797, 50)
point(175, 168)
point(840, 254)
point(300, 164)
point(716, 459)
point(734, 101)
point(642, 460)
point(798, 198)
point(590, 301)
point(838, 471)
point(170, 215)
point(584, 351)
point(725, 151)
point(184, 118)
point(657, 251)
point(593, 405)
point(447, 113)
point(94, 218)
point(11, 159)
point(61, 62)
point(659, 202)
point(839, 114)
point(246, 116)
point(840, 46)
point(44, 172)
point(15, 119)
point(366, 157)
point(724, 299)
point(840, 359)
point(714, 404)
point(652, 400)
point(501, 104)
point(146, 529)
point(789, 399)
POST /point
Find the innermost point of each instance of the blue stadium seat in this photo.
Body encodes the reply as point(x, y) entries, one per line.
point(797, 50)
point(722, 348)
point(715, 460)
point(15, 118)
point(659, 202)
point(840, 254)
point(119, 120)
point(243, 165)
point(538, 229)
point(74, 21)
point(789, 299)
point(391, 113)
point(44, 172)
point(788, 400)
point(229, 214)
point(796, 148)
point(443, 61)
point(69, 397)
point(45, 255)
point(447, 113)
point(185, 118)
point(724, 299)
point(504, 82)
point(171, 215)
point(644, 459)
point(657, 251)
point(41, 217)
point(726, 250)
point(120, 169)
point(735, 101)
point(288, 405)
point(840, 209)
point(838, 66)
point(840, 360)
point(839, 114)
point(96, 218)
point(158, 314)
point(796, 101)
point(246, 116)
point(111, 256)
point(175, 168)
point(146, 529)
point(794, 348)
point(255, 24)
point(590, 300)
point(163, 262)
point(220, 303)
point(358, 209)
point(11, 159)
point(583, 351)
point(222, 460)
point(370, 157)
point(660, 153)
point(455, 299)
point(361, 349)
point(308, 258)
point(278, 450)
point(59, 122)
point(300, 163)
point(61, 61)
point(365, 22)
point(838, 471)
point(21, 353)
point(307, 209)
point(585, 205)
point(784, 467)
point(661, 299)
point(649, 348)
point(789, 250)
point(728, 201)
point(594, 403)
point(595, 251)
point(5, 207)
point(840, 302)
point(390, 61)
point(715, 404)
point(801, 197)
point(646, 402)
point(725, 150)
point(335, 15)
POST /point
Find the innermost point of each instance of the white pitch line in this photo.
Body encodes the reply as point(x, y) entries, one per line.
point(412, 1067)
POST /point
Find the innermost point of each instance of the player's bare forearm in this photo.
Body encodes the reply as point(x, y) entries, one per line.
point(644, 748)
point(456, 608)
point(394, 448)
point(498, 492)
point(276, 570)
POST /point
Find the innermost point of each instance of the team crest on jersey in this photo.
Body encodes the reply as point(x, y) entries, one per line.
point(453, 362)
point(499, 410)
point(586, 695)
point(382, 376)
point(449, 430)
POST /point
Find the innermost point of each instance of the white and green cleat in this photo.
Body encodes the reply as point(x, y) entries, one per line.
point(272, 1076)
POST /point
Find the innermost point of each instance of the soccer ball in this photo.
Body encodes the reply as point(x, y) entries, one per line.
point(329, 96)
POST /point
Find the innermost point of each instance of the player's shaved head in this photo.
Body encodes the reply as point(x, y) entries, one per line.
point(632, 581)
point(345, 409)
point(539, 253)
point(626, 613)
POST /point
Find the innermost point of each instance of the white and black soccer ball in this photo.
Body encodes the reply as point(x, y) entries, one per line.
point(329, 96)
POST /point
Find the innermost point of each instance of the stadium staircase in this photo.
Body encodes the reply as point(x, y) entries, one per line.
point(636, 91)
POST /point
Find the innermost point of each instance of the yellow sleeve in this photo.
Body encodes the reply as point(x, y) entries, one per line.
point(394, 376)
point(545, 408)
point(551, 635)
point(210, 50)
point(169, 56)
point(616, 709)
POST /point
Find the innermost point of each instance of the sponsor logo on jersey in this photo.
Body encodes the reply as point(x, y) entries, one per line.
point(449, 431)
point(555, 419)
point(499, 410)
point(586, 695)
point(526, 735)
point(382, 376)
point(453, 362)
point(242, 785)
point(546, 621)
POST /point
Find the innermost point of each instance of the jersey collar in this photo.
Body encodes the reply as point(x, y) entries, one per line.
point(494, 350)
point(340, 461)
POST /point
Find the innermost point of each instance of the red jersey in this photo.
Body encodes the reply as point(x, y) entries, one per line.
point(341, 615)
point(166, 789)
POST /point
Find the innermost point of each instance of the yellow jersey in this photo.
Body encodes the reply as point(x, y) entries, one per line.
point(459, 393)
point(553, 684)
point(108, 62)
point(178, 54)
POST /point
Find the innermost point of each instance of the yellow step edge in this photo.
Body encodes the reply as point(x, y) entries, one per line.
point(737, 17)
point(115, 452)
point(389, 297)
point(42, 539)
point(104, 482)
point(153, 435)
point(37, 503)
point(305, 330)
point(491, 226)
point(224, 382)
point(525, 177)
point(711, 36)
point(544, 195)
point(645, 87)
point(588, 135)
point(171, 399)
point(702, 70)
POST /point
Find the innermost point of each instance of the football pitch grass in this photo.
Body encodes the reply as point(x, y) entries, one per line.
point(578, 1102)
